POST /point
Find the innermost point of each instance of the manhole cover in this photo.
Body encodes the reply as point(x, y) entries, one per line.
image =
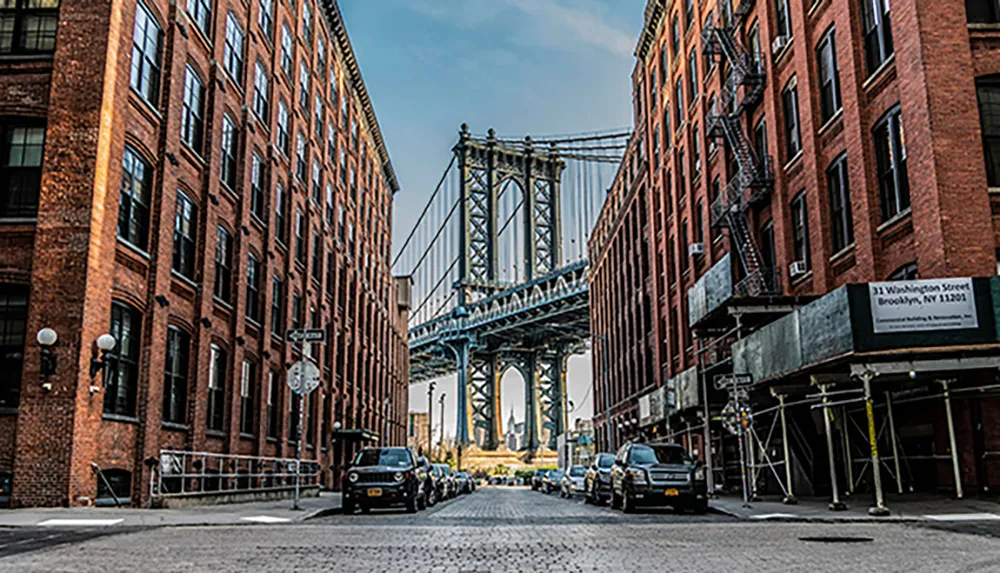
point(836, 539)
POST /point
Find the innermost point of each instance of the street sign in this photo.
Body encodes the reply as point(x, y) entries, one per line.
point(306, 335)
point(303, 377)
point(727, 380)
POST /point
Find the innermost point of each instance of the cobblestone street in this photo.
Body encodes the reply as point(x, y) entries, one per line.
point(520, 530)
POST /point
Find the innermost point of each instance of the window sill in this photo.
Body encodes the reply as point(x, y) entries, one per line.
point(877, 75)
point(893, 221)
point(145, 107)
point(272, 440)
point(988, 26)
point(993, 190)
point(801, 279)
point(8, 411)
point(134, 248)
point(215, 434)
point(14, 58)
point(120, 418)
point(832, 121)
point(244, 436)
point(842, 253)
point(18, 220)
point(175, 426)
point(192, 156)
point(776, 58)
point(791, 162)
point(186, 281)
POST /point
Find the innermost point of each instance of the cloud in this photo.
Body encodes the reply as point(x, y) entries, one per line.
point(585, 26)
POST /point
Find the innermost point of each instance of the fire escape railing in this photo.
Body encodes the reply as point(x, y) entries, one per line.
point(754, 180)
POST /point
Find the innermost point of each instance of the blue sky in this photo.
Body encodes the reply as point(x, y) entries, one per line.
point(521, 66)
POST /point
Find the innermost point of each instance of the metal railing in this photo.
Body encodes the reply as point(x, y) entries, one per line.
point(183, 473)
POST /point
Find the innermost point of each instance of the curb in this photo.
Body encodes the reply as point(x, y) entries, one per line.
point(325, 512)
point(815, 519)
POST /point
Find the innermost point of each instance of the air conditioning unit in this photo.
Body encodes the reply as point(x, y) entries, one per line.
point(797, 268)
point(696, 249)
point(779, 44)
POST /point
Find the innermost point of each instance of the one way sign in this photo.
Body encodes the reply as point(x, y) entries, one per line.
point(306, 335)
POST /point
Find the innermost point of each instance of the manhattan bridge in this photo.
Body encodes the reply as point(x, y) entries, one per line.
point(498, 259)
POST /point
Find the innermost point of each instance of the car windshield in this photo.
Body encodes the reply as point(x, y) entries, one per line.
point(556, 475)
point(396, 457)
point(605, 461)
point(658, 455)
point(541, 472)
point(577, 471)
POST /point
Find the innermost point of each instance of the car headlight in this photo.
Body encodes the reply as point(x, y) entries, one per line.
point(398, 477)
point(699, 474)
point(638, 475)
point(352, 477)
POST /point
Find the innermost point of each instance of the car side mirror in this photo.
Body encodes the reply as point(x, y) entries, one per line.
point(421, 461)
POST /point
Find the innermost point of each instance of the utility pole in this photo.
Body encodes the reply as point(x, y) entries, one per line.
point(430, 420)
point(441, 451)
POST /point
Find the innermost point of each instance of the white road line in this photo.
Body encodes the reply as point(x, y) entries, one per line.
point(265, 519)
point(774, 516)
point(963, 517)
point(79, 522)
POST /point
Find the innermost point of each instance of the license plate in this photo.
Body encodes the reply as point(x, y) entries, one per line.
point(376, 492)
point(671, 493)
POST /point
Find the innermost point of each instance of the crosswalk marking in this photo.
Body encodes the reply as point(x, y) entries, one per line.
point(774, 516)
point(265, 519)
point(963, 517)
point(79, 522)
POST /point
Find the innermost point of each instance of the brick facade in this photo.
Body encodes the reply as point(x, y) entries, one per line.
point(75, 263)
point(951, 228)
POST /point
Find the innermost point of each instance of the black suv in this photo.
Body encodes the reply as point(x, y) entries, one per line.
point(597, 483)
point(383, 477)
point(657, 474)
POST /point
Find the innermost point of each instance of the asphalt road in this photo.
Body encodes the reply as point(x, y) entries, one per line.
point(498, 529)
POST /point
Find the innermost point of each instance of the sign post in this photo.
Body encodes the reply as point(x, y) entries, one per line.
point(737, 417)
point(303, 377)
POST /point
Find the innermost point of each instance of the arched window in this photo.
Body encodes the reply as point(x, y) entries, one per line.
point(988, 92)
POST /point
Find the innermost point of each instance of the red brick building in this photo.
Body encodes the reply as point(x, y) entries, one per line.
point(193, 178)
point(783, 149)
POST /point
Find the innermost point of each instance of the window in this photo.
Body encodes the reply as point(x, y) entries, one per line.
point(13, 323)
point(265, 17)
point(317, 183)
point(21, 169)
point(300, 238)
point(890, 160)
point(877, 27)
point(248, 381)
point(122, 376)
point(907, 272)
point(800, 229)
point(185, 236)
point(175, 376)
point(307, 23)
point(679, 102)
point(664, 64)
point(982, 11)
point(201, 13)
point(261, 92)
point(297, 310)
point(223, 265)
point(192, 111)
point(28, 26)
point(760, 139)
point(695, 152)
point(693, 75)
point(790, 105)
point(300, 156)
point(699, 222)
point(841, 224)
point(331, 140)
point(782, 18)
point(284, 142)
point(233, 52)
point(767, 247)
point(216, 389)
point(280, 220)
point(253, 288)
point(257, 186)
point(683, 238)
point(329, 204)
point(230, 139)
point(675, 36)
point(121, 487)
point(146, 46)
point(318, 116)
point(304, 88)
point(340, 222)
point(688, 14)
point(286, 50)
point(317, 258)
point(273, 395)
point(829, 77)
point(277, 307)
point(133, 202)
point(988, 90)
point(329, 275)
point(656, 145)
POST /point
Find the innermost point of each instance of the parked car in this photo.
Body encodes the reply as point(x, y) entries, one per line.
point(384, 477)
point(430, 485)
point(538, 480)
point(657, 474)
point(461, 483)
point(597, 482)
point(442, 481)
point(572, 481)
point(553, 481)
point(470, 482)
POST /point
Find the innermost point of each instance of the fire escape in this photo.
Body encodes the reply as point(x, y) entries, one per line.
point(753, 182)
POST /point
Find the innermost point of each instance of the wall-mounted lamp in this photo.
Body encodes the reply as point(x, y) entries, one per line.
point(46, 338)
point(105, 343)
point(634, 421)
point(336, 426)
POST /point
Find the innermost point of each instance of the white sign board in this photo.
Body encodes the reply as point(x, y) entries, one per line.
point(303, 377)
point(911, 306)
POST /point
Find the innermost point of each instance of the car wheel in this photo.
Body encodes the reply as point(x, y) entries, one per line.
point(614, 500)
point(700, 507)
point(422, 502)
point(411, 505)
point(628, 505)
point(348, 506)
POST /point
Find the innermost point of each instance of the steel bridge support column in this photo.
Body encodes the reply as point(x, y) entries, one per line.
point(461, 348)
point(531, 402)
point(551, 381)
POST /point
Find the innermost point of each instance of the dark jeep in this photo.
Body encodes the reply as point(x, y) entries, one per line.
point(385, 477)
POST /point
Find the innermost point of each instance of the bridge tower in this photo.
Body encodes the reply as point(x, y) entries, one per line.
point(486, 167)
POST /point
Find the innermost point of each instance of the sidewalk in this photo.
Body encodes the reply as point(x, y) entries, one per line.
point(230, 514)
point(912, 507)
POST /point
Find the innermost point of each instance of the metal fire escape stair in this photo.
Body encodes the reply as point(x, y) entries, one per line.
point(754, 180)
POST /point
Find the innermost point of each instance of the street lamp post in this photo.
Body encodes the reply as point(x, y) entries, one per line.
point(441, 400)
point(430, 420)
